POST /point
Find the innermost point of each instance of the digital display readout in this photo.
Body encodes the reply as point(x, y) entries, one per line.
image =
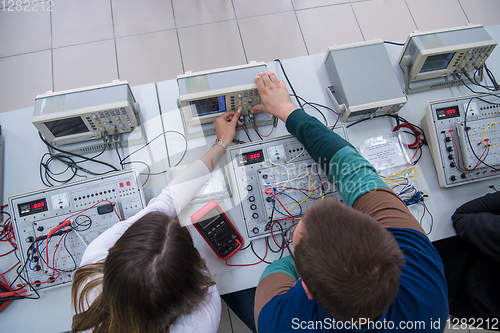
point(32, 207)
point(253, 157)
point(208, 106)
point(449, 112)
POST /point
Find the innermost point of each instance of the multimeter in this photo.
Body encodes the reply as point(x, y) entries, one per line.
point(217, 230)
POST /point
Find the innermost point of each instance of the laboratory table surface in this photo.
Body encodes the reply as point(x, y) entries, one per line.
point(161, 120)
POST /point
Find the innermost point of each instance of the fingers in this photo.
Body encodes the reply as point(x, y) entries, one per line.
point(257, 108)
point(236, 116)
point(259, 82)
point(272, 77)
point(266, 78)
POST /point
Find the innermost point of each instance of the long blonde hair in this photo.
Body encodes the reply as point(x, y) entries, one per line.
point(152, 275)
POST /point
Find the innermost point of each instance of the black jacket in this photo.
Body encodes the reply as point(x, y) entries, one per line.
point(472, 259)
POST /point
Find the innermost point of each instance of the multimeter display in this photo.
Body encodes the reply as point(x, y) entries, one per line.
point(253, 157)
point(220, 234)
point(32, 207)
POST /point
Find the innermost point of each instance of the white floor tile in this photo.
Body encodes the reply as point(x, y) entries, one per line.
point(195, 12)
point(302, 4)
point(272, 36)
point(211, 46)
point(23, 77)
point(428, 14)
point(76, 22)
point(237, 324)
point(245, 8)
point(24, 31)
point(131, 17)
point(225, 322)
point(384, 19)
point(149, 58)
point(485, 12)
point(84, 65)
point(326, 26)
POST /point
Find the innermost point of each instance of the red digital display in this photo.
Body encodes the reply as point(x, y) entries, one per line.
point(37, 205)
point(253, 157)
point(32, 207)
point(448, 112)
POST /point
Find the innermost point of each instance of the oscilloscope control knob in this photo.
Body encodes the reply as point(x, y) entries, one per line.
point(255, 230)
point(453, 178)
point(463, 175)
point(255, 215)
point(251, 198)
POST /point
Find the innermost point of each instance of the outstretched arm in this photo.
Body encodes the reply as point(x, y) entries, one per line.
point(349, 171)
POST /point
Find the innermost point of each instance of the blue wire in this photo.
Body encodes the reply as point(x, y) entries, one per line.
point(274, 190)
point(35, 251)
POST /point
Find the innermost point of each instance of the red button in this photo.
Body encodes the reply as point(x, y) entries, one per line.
point(128, 183)
point(121, 184)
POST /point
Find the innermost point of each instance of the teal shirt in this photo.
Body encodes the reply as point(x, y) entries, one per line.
point(351, 173)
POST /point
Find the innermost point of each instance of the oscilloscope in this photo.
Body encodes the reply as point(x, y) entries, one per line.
point(84, 114)
point(440, 53)
point(203, 96)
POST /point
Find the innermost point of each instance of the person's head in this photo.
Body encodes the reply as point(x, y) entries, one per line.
point(347, 261)
point(151, 275)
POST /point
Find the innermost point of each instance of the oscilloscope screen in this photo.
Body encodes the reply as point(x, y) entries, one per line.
point(208, 105)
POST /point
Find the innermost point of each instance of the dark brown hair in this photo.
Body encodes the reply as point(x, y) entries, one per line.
point(349, 262)
point(152, 275)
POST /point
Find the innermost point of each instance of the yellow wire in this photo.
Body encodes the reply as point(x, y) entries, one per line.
point(312, 189)
point(414, 169)
point(494, 123)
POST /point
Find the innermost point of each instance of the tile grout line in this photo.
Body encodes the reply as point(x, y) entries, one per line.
point(239, 32)
point(409, 10)
point(230, 320)
point(114, 38)
point(52, 52)
point(463, 10)
point(178, 39)
point(300, 28)
point(357, 22)
point(322, 6)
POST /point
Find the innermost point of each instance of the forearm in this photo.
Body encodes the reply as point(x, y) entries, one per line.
point(352, 174)
point(321, 142)
point(212, 157)
point(489, 203)
point(480, 229)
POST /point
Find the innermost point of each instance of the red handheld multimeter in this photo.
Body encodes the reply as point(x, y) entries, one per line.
point(217, 230)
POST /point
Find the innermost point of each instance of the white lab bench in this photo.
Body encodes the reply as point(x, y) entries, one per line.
point(158, 102)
